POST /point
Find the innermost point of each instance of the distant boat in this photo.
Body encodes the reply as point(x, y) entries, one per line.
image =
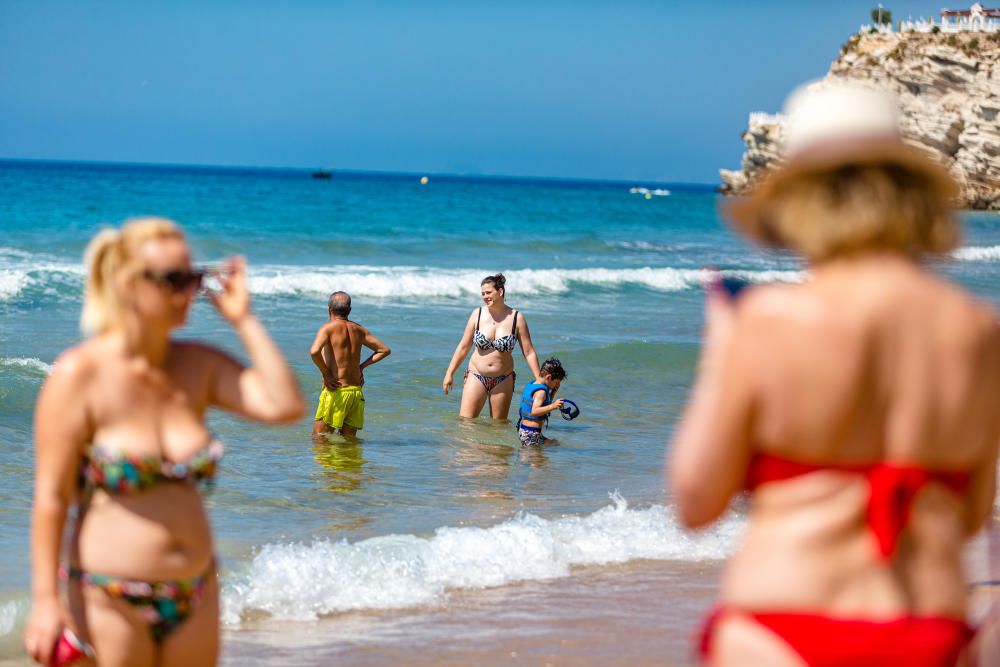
point(322, 174)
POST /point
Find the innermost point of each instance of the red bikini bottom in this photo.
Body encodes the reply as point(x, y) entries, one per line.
point(821, 641)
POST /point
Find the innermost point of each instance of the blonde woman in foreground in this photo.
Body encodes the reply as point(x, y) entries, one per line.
point(858, 408)
point(120, 432)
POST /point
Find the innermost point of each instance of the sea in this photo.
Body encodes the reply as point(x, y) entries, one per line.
point(431, 539)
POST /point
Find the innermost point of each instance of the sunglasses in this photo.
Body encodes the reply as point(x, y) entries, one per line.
point(177, 280)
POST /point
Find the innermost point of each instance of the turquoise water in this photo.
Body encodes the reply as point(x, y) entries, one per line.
point(424, 504)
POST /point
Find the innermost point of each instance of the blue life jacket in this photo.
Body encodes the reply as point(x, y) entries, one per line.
point(528, 401)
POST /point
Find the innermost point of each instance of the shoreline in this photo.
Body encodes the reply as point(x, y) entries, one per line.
point(644, 612)
point(638, 613)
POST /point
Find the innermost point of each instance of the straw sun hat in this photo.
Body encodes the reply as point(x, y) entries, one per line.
point(833, 125)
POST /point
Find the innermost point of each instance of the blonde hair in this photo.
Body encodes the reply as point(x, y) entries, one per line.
point(855, 208)
point(111, 255)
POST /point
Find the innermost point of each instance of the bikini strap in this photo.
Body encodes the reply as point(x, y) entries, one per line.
point(513, 332)
point(479, 316)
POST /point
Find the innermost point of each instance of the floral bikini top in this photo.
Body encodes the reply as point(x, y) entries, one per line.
point(502, 344)
point(121, 473)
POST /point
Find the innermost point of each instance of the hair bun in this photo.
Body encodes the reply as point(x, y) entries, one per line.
point(497, 281)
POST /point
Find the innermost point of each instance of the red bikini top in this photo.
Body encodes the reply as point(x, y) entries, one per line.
point(893, 489)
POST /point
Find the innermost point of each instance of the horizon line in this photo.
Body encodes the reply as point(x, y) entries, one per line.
point(365, 172)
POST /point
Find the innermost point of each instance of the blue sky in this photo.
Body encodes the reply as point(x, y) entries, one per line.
point(614, 90)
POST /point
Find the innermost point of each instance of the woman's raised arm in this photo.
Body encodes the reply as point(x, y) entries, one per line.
point(267, 391)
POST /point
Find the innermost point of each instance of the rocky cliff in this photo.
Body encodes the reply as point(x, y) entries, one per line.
point(949, 89)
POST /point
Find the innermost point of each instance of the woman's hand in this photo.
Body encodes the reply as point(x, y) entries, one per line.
point(449, 380)
point(233, 301)
point(45, 623)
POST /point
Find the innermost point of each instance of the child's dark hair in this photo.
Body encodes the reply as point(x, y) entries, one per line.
point(554, 368)
point(498, 281)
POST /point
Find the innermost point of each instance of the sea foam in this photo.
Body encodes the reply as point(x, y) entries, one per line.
point(403, 281)
point(11, 283)
point(21, 270)
point(391, 282)
point(977, 253)
point(12, 614)
point(32, 363)
point(18, 274)
point(304, 581)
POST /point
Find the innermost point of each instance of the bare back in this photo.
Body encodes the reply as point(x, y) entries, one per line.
point(890, 364)
point(342, 350)
point(872, 360)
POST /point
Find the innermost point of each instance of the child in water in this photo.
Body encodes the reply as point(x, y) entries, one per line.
point(537, 403)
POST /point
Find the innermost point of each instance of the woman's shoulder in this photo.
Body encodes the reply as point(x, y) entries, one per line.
point(769, 295)
point(196, 350)
point(949, 306)
point(79, 362)
point(76, 363)
point(775, 316)
point(770, 302)
point(973, 320)
point(961, 299)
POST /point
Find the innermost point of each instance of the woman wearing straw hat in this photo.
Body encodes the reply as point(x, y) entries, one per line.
point(858, 408)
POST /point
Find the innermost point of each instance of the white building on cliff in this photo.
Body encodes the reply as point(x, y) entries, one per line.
point(976, 18)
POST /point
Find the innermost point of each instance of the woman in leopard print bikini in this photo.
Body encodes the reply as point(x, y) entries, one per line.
point(491, 369)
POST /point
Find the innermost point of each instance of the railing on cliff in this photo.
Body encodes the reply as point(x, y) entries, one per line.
point(929, 25)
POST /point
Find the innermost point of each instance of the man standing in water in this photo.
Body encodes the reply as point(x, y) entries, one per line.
point(336, 351)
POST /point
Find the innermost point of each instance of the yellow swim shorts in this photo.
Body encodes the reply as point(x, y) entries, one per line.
point(343, 405)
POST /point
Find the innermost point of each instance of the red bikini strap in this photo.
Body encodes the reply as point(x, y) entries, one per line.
point(892, 493)
point(893, 490)
point(770, 468)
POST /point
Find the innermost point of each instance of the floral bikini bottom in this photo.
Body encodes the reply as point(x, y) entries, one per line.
point(530, 436)
point(162, 605)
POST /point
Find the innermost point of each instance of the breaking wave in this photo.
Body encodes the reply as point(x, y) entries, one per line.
point(977, 253)
point(21, 272)
point(389, 282)
point(305, 581)
point(31, 363)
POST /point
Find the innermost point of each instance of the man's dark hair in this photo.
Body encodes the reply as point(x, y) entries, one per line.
point(554, 368)
point(340, 304)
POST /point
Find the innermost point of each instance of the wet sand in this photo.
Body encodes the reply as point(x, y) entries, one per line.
point(641, 613)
